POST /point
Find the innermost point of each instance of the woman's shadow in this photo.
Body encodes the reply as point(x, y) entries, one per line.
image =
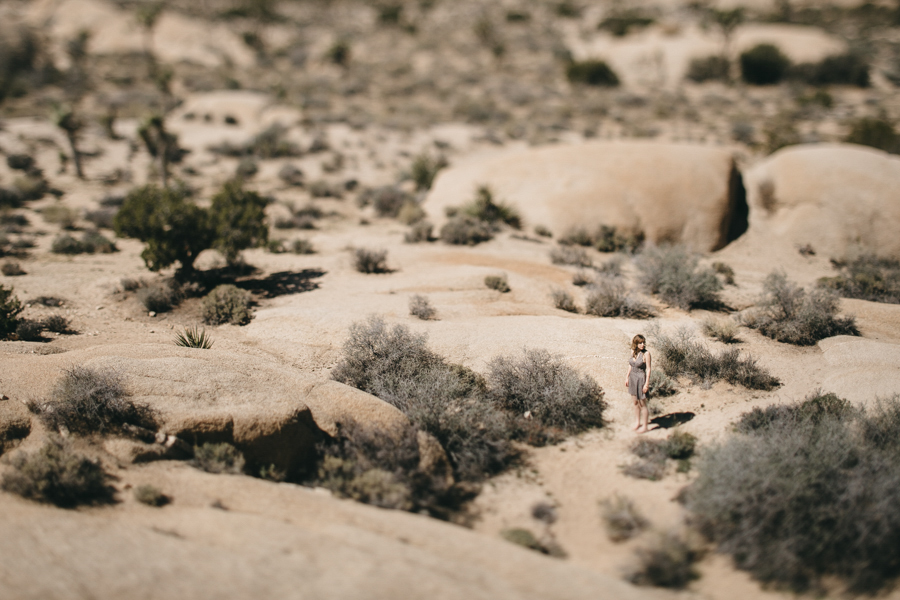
point(672, 420)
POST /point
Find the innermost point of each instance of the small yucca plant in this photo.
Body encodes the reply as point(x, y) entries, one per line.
point(194, 337)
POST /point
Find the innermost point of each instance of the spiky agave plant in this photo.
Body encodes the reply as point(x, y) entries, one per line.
point(194, 337)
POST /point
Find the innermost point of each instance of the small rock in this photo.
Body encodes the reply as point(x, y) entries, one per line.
point(99, 308)
point(152, 313)
point(4, 397)
point(152, 331)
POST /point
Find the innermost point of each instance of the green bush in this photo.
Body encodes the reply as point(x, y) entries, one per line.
point(680, 355)
point(542, 384)
point(621, 22)
point(526, 539)
point(237, 219)
point(787, 313)
point(709, 68)
point(798, 499)
point(218, 458)
point(56, 474)
point(424, 169)
point(609, 298)
point(867, 277)
point(227, 303)
point(840, 69)
point(87, 401)
point(497, 282)
point(173, 228)
point(875, 132)
point(591, 72)
point(10, 308)
point(487, 210)
point(764, 64)
point(672, 273)
point(150, 495)
point(366, 260)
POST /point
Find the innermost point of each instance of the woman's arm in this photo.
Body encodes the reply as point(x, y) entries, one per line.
point(628, 375)
point(647, 360)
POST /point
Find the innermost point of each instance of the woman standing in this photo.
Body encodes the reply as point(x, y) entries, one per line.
point(637, 380)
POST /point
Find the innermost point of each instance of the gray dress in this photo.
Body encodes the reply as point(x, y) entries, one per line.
point(638, 376)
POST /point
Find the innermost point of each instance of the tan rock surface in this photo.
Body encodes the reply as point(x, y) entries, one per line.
point(672, 192)
point(277, 540)
point(837, 198)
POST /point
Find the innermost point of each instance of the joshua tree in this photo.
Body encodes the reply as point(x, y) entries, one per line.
point(147, 15)
point(68, 121)
point(161, 145)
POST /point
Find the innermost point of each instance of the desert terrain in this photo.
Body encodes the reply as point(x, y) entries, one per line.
point(324, 108)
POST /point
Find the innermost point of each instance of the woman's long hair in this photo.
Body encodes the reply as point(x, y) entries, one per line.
point(634, 344)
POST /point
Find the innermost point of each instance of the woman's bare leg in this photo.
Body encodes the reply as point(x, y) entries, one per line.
point(643, 417)
point(637, 413)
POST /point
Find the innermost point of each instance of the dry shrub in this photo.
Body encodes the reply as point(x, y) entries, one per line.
point(57, 324)
point(10, 308)
point(29, 331)
point(672, 273)
point(570, 255)
point(419, 232)
point(420, 306)
point(622, 520)
point(555, 394)
point(87, 401)
point(159, 298)
point(867, 277)
point(723, 330)
point(815, 407)
point(56, 474)
point(661, 384)
point(788, 313)
point(382, 468)
point(563, 300)
point(218, 458)
point(444, 400)
point(12, 269)
point(680, 355)
point(667, 562)
point(302, 246)
point(807, 495)
point(609, 298)
point(227, 304)
point(464, 230)
point(366, 260)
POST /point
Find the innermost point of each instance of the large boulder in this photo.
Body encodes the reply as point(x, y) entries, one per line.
point(273, 413)
point(837, 198)
point(670, 192)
